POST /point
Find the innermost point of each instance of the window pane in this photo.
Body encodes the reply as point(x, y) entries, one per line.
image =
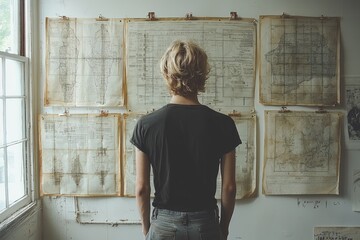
point(14, 120)
point(14, 78)
point(2, 181)
point(15, 160)
point(9, 27)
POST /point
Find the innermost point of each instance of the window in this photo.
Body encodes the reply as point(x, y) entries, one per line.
point(12, 26)
point(15, 155)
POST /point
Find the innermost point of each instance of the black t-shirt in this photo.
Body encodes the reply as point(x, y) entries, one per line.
point(185, 144)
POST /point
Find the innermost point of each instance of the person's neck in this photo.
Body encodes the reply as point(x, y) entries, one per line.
point(191, 100)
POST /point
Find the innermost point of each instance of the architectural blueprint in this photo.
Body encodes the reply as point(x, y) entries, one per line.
point(245, 158)
point(352, 89)
point(84, 62)
point(129, 164)
point(80, 155)
point(230, 46)
point(300, 61)
point(302, 152)
point(336, 233)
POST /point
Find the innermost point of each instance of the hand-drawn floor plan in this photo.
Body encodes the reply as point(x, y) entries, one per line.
point(84, 62)
point(299, 61)
point(80, 155)
point(302, 153)
point(230, 46)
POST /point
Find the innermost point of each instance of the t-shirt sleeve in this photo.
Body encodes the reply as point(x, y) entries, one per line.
point(137, 138)
point(231, 136)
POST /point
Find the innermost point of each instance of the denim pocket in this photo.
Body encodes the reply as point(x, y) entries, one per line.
point(162, 232)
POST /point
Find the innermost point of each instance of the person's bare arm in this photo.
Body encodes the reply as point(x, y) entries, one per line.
point(143, 189)
point(228, 191)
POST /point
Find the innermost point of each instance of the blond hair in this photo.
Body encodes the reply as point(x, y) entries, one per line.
point(185, 68)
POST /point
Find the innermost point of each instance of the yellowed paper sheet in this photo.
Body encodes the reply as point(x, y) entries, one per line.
point(80, 155)
point(84, 62)
point(129, 165)
point(302, 153)
point(245, 158)
point(300, 61)
point(230, 46)
point(337, 233)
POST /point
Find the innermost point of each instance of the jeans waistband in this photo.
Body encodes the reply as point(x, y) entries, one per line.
point(197, 215)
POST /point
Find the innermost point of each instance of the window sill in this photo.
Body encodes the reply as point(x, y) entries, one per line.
point(18, 218)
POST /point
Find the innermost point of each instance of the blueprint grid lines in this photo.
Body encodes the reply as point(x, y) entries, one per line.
point(231, 50)
point(299, 61)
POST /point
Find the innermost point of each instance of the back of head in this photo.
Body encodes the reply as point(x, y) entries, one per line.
point(185, 68)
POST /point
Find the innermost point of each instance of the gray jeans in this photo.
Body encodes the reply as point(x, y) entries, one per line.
point(172, 225)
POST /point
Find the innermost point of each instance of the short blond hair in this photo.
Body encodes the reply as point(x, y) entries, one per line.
point(185, 68)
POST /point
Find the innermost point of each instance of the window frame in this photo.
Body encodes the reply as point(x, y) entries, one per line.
point(27, 198)
point(24, 204)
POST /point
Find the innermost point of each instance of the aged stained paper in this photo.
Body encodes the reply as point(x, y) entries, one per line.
point(245, 158)
point(337, 233)
point(230, 46)
point(352, 88)
point(302, 153)
point(84, 62)
point(129, 164)
point(300, 61)
point(80, 155)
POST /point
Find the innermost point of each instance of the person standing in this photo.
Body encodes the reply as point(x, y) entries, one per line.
point(184, 143)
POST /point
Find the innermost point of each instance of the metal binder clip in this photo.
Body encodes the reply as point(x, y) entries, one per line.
point(189, 16)
point(101, 18)
point(151, 16)
point(65, 113)
point(321, 110)
point(64, 17)
point(284, 110)
point(233, 16)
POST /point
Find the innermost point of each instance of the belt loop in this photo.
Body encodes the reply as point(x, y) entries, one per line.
point(154, 213)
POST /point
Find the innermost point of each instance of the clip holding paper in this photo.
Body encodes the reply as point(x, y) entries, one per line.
point(65, 113)
point(150, 111)
point(151, 16)
point(189, 16)
point(234, 114)
point(101, 18)
point(284, 110)
point(103, 113)
point(233, 16)
point(321, 110)
point(285, 15)
point(64, 17)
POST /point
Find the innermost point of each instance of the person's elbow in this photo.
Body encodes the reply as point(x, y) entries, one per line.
point(142, 190)
point(229, 189)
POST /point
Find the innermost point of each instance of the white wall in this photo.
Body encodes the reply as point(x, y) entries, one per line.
point(264, 217)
